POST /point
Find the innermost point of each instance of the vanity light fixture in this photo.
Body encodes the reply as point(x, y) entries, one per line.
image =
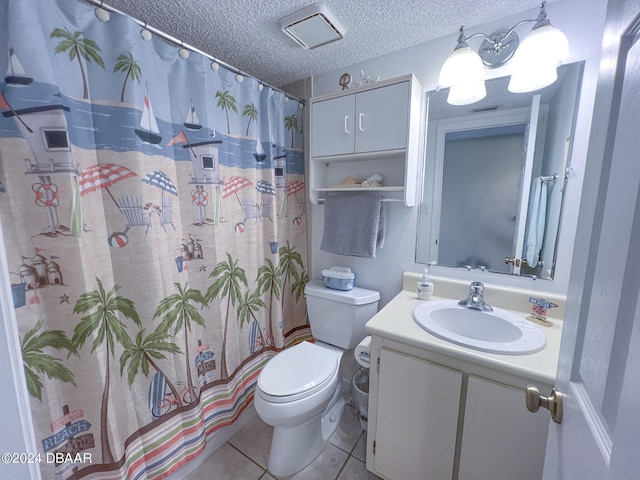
point(534, 61)
point(312, 27)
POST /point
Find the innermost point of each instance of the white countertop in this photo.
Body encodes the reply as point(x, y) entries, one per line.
point(395, 322)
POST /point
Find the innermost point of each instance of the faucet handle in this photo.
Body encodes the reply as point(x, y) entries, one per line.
point(476, 287)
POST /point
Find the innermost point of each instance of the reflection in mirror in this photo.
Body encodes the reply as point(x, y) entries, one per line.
point(495, 175)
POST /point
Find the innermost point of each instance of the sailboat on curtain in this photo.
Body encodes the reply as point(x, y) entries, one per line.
point(16, 73)
point(259, 154)
point(148, 131)
point(192, 121)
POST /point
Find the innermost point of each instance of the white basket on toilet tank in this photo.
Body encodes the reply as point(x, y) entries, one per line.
point(298, 391)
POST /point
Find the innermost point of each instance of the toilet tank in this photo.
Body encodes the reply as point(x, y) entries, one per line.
point(337, 317)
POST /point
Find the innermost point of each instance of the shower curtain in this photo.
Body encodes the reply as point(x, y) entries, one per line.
point(152, 206)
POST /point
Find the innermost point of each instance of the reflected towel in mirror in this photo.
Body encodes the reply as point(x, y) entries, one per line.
point(536, 223)
point(354, 224)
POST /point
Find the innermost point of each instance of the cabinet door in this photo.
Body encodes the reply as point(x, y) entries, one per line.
point(333, 126)
point(501, 438)
point(417, 417)
point(382, 117)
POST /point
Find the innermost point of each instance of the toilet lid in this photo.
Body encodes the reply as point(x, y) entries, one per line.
point(304, 368)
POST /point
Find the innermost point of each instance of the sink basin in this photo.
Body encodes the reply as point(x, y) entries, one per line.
point(499, 331)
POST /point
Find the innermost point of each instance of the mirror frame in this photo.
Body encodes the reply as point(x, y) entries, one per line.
point(426, 248)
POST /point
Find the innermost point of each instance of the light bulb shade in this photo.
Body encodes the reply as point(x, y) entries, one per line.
point(463, 65)
point(544, 45)
point(466, 93)
point(532, 78)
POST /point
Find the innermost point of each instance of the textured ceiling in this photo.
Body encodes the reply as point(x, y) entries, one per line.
point(245, 33)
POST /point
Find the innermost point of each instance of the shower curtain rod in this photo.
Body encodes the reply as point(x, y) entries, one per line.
point(181, 44)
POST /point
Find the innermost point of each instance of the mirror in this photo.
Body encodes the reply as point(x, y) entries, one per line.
point(495, 175)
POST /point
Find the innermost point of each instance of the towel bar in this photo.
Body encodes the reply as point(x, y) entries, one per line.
point(553, 178)
point(321, 200)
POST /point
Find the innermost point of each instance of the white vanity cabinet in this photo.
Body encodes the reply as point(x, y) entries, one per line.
point(435, 418)
point(375, 129)
point(500, 437)
point(415, 428)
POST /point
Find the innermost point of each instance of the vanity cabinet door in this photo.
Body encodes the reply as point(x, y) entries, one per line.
point(417, 417)
point(333, 126)
point(500, 437)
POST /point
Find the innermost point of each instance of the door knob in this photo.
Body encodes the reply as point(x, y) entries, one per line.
point(553, 402)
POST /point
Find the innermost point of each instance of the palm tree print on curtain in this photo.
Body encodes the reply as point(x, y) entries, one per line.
point(226, 102)
point(251, 112)
point(180, 312)
point(289, 261)
point(248, 305)
point(147, 351)
point(227, 277)
point(36, 361)
point(106, 328)
point(126, 63)
point(291, 124)
point(127, 309)
point(269, 281)
point(78, 48)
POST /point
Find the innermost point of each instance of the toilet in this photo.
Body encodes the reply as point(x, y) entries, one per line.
point(299, 390)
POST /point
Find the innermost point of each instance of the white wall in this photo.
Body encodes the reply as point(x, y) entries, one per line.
point(583, 22)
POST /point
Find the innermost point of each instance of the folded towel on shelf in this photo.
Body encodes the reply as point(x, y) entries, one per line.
point(354, 224)
point(536, 222)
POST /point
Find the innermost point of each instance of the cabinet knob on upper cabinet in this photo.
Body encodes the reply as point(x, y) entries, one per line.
point(553, 402)
point(346, 124)
point(360, 117)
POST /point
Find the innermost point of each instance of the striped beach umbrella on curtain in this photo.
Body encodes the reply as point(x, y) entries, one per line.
point(265, 187)
point(162, 181)
point(233, 185)
point(104, 175)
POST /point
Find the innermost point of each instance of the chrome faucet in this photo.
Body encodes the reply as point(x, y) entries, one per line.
point(475, 299)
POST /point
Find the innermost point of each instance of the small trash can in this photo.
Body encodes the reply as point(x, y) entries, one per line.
point(360, 392)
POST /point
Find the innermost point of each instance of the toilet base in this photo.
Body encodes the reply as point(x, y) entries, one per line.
point(293, 448)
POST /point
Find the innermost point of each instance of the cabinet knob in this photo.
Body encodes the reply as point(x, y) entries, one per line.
point(553, 402)
point(360, 117)
point(346, 124)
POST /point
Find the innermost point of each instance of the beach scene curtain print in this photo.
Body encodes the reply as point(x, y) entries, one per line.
point(153, 213)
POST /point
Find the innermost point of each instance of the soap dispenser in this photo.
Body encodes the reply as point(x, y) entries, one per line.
point(425, 286)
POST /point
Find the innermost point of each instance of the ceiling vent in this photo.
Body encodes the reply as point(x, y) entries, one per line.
point(312, 27)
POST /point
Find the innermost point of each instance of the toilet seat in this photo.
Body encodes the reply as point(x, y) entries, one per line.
point(298, 372)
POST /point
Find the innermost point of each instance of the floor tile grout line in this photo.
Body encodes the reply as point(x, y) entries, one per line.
point(342, 468)
point(249, 458)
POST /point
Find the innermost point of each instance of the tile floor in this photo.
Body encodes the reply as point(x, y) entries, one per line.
point(244, 456)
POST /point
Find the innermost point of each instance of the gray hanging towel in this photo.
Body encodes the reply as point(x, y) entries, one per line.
point(354, 224)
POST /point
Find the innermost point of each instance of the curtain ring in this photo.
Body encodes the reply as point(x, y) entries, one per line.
point(183, 52)
point(144, 33)
point(102, 14)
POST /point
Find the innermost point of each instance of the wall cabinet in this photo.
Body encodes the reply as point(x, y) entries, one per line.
point(375, 129)
point(433, 421)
